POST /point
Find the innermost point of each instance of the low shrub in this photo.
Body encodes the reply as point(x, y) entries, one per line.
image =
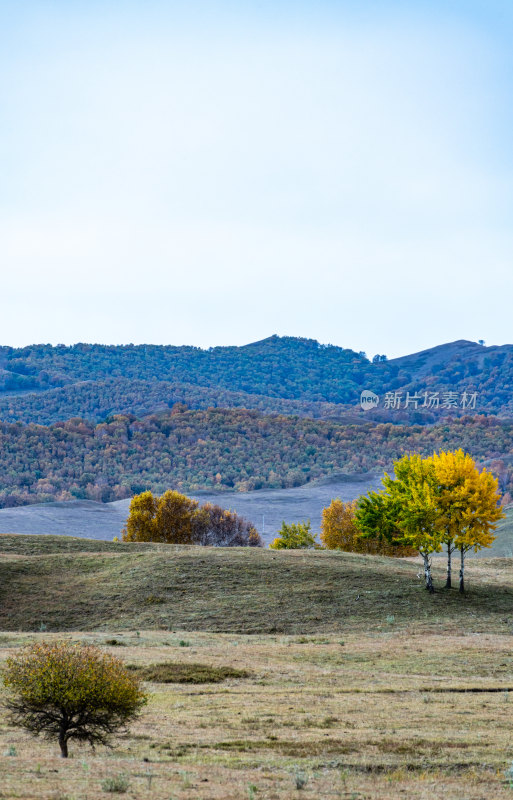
point(116, 784)
point(171, 672)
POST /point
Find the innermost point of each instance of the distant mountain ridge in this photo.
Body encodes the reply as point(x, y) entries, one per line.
point(287, 375)
point(462, 350)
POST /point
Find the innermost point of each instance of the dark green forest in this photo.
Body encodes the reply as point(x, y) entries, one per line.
point(225, 449)
point(98, 400)
point(277, 368)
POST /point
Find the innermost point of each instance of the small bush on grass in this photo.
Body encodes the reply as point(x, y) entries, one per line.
point(71, 691)
point(117, 783)
point(296, 536)
point(300, 779)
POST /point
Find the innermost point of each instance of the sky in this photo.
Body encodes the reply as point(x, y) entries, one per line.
point(212, 173)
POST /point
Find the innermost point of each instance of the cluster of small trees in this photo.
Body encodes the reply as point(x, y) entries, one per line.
point(431, 502)
point(339, 531)
point(441, 500)
point(174, 518)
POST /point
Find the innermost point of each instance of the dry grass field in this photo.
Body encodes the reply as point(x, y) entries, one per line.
point(337, 676)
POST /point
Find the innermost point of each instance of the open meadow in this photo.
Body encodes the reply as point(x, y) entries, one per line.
point(292, 674)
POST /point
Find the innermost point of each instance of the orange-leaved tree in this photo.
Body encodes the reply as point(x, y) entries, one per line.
point(338, 528)
point(339, 531)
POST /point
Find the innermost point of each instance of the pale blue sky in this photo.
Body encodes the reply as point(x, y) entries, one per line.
point(214, 172)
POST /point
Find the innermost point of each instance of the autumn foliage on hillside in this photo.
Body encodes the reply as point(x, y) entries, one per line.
point(220, 449)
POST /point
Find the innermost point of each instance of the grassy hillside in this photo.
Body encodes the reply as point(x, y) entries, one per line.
point(503, 545)
point(221, 449)
point(66, 584)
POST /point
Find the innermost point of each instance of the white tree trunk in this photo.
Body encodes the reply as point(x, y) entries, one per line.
point(450, 548)
point(462, 570)
point(427, 573)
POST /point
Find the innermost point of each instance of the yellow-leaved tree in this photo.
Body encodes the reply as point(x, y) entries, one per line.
point(405, 511)
point(441, 499)
point(468, 503)
point(173, 518)
point(294, 536)
point(141, 521)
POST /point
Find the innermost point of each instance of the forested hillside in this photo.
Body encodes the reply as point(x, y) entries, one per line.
point(287, 375)
point(98, 400)
point(102, 422)
point(225, 449)
point(277, 367)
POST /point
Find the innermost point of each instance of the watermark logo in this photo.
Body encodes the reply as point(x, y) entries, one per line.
point(417, 400)
point(368, 399)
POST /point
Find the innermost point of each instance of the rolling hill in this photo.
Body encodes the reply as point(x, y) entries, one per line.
point(288, 375)
point(77, 584)
point(343, 678)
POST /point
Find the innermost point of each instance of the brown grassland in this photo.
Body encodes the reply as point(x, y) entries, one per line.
point(270, 671)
